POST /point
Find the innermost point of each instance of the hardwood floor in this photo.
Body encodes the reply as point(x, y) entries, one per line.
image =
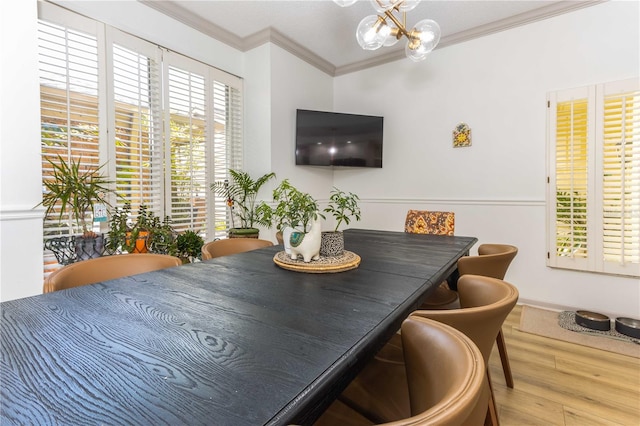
point(561, 383)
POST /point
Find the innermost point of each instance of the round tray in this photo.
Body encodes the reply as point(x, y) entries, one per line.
point(324, 265)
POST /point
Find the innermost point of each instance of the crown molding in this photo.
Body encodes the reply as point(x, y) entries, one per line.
point(525, 18)
point(270, 35)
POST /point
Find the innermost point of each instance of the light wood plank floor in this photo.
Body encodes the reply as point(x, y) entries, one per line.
point(561, 383)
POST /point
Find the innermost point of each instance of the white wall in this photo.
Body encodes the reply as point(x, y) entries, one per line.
point(497, 85)
point(20, 164)
point(276, 84)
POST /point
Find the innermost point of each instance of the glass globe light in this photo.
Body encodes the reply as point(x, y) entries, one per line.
point(392, 38)
point(372, 32)
point(344, 3)
point(422, 40)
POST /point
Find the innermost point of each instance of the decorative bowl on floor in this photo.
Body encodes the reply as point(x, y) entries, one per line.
point(593, 320)
point(628, 326)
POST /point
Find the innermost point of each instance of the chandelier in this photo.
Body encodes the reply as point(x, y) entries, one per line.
point(375, 31)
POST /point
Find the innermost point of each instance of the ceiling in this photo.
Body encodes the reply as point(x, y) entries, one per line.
point(323, 33)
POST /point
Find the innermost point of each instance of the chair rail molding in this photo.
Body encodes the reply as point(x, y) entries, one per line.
point(455, 201)
point(21, 213)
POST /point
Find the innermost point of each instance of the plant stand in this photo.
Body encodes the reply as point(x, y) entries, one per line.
point(72, 249)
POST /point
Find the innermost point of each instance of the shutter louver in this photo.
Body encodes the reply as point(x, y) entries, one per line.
point(138, 129)
point(621, 178)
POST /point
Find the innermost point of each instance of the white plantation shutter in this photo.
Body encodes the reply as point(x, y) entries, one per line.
point(227, 102)
point(186, 132)
point(594, 178)
point(165, 125)
point(203, 139)
point(620, 177)
point(70, 106)
point(571, 179)
point(136, 123)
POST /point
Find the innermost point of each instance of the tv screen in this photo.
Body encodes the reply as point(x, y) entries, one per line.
point(337, 139)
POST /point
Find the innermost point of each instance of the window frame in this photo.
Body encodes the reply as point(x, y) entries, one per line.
point(594, 260)
point(107, 37)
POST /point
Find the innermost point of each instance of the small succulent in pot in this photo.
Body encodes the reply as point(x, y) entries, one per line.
point(189, 246)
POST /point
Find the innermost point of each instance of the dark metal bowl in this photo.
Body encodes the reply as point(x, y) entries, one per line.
point(628, 326)
point(593, 320)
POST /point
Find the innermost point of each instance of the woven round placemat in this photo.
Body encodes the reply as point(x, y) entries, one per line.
point(567, 320)
point(348, 260)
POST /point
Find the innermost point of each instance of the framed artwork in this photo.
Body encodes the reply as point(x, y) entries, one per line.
point(461, 136)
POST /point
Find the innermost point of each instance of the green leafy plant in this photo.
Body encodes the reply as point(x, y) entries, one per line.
point(241, 193)
point(295, 209)
point(146, 233)
point(162, 239)
point(118, 229)
point(189, 245)
point(343, 206)
point(75, 192)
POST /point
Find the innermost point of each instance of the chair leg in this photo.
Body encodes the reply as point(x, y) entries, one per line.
point(504, 358)
point(493, 409)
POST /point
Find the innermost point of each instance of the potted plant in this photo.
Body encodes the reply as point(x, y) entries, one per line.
point(75, 192)
point(294, 212)
point(189, 246)
point(118, 229)
point(343, 206)
point(241, 193)
point(162, 239)
point(148, 233)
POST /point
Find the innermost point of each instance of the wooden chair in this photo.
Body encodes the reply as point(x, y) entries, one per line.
point(107, 268)
point(493, 260)
point(443, 385)
point(229, 246)
point(434, 223)
point(485, 301)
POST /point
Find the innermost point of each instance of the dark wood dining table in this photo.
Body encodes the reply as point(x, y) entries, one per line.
point(235, 340)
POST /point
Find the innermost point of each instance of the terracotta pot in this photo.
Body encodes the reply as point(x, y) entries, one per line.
point(141, 242)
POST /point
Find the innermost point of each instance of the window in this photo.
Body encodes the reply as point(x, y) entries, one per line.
point(164, 125)
point(594, 178)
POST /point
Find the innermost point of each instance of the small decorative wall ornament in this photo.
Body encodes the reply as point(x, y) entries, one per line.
point(461, 135)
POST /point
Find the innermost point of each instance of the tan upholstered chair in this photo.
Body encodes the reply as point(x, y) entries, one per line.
point(229, 246)
point(493, 260)
point(434, 223)
point(485, 301)
point(107, 268)
point(446, 380)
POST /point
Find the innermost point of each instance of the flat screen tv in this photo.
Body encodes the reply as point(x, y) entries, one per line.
point(337, 139)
